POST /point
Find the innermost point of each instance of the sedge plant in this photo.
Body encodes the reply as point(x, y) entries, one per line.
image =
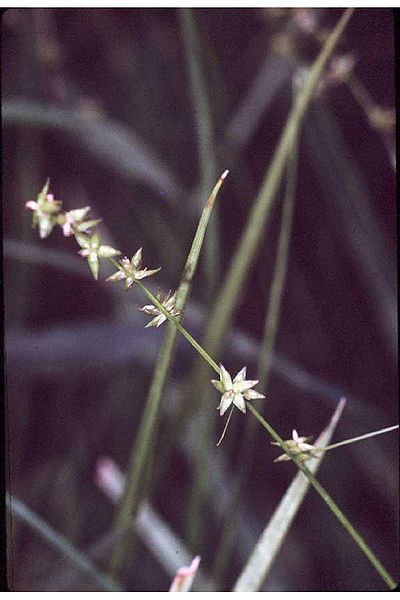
point(236, 392)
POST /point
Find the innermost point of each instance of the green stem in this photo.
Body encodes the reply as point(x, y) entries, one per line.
point(179, 327)
point(21, 512)
point(226, 544)
point(240, 266)
point(143, 447)
point(233, 285)
point(356, 439)
point(205, 141)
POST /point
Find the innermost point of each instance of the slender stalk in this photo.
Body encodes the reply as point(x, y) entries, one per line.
point(356, 439)
point(240, 264)
point(205, 141)
point(279, 275)
point(226, 544)
point(143, 446)
point(20, 511)
point(233, 286)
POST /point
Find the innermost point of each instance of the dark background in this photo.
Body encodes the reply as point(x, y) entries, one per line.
point(99, 101)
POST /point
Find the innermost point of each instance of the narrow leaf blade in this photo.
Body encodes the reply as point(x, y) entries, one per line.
point(267, 548)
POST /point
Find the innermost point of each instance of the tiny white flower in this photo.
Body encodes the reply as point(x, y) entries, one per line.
point(131, 270)
point(297, 446)
point(168, 303)
point(93, 250)
point(236, 391)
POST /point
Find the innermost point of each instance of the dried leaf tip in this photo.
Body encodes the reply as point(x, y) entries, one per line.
point(224, 174)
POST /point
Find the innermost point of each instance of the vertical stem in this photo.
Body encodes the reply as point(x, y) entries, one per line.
point(143, 446)
point(264, 361)
point(205, 142)
point(232, 289)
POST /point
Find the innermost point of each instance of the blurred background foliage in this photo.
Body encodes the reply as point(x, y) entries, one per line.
point(99, 100)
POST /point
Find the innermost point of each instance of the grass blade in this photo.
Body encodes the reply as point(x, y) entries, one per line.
point(264, 359)
point(20, 511)
point(352, 205)
point(143, 445)
point(205, 141)
point(267, 548)
point(112, 144)
point(231, 291)
point(341, 517)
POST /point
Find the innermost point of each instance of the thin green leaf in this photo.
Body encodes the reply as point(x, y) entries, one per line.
point(233, 286)
point(255, 227)
point(114, 145)
point(267, 548)
point(359, 438)
point(143, 446)
point(205, 141)
point(227, 539)
point(20, 511)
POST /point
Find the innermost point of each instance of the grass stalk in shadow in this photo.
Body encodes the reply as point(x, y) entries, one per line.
point(264, 361)
point(231, 291)
point(144, 442)
point(22, 513)
point(205, 142)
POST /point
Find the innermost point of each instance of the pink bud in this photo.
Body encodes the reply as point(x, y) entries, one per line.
point(109, 479)
point(32, 205)
point(184, 577)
